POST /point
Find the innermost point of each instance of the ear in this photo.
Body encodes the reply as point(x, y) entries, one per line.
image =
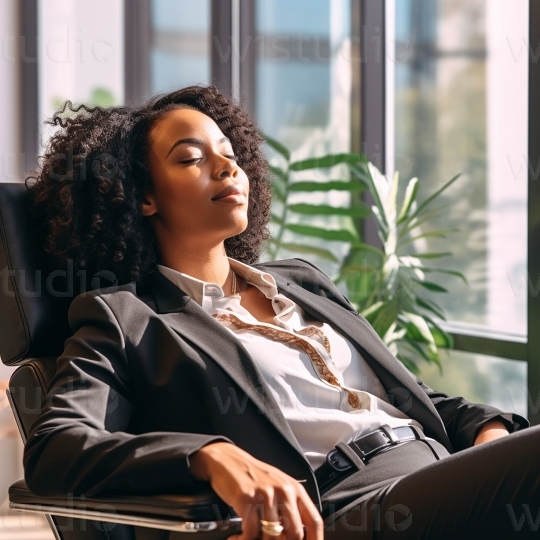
point(148, 205)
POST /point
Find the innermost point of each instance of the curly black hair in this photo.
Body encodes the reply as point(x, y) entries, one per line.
point(94, 175)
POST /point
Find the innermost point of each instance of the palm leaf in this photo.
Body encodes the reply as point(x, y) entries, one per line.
point(441, 337)
point(382, 228)
point(419, 327)
point(408, 363)
point(431, 286)
point(442, 233)
point(418, 348)
point(372, 310)
point(385, 317)
point(433, 197)
point(444, 271)
point(364, 172)
point(423, 218)
point(303, 248)
point(338, 185)
point(276, 171)
point(392, 199)
point(432, 255)
point(279, 192)
point(349, 271)
point(327, 210)
point(410, 196)
point(277, 219)
point(359, 246)
point(430, 306)
point(324, 162)
point(366, 270)
point(341, 235)
point(277, 146)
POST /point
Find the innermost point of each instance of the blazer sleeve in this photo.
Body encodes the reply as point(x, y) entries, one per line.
point(80, 442)
point(461, 418)
point(464, 419)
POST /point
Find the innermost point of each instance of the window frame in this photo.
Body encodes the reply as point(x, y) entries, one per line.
point(28, 59)
point(533, 233)
point(239, 15)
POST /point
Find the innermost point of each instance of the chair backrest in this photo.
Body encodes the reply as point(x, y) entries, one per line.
point(33, 316)
point(33, 312)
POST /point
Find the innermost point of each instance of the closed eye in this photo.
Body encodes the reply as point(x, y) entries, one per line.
point(192, 160)
point(232, 157)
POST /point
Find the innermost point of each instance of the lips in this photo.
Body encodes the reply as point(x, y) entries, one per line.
point(230, 191)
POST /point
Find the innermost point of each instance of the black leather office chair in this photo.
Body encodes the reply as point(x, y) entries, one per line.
point(32, 333)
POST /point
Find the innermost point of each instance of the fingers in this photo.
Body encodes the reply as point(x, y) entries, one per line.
point(311, 518)
point(293, 528)
point(265, 505)
point(289, 505)
point(279, 508)
point(257, 490)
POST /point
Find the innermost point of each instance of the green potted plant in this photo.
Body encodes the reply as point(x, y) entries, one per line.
point(386, 283)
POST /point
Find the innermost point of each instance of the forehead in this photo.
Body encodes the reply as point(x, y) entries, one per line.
point(184, 123)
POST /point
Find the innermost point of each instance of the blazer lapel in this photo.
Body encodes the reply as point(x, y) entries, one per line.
point(196, 326)
point(408, 396)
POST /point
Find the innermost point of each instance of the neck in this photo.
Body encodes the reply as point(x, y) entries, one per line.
point(205, 264)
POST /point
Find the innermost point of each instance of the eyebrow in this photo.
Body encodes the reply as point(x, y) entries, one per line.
point(193, 140)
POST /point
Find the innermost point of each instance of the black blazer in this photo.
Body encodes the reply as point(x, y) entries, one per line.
point(149, 377)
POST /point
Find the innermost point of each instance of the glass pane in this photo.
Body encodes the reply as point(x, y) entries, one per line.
point(10, 91)
point(81, 53)
point(460, 102)
point(303, 74)
point(303, 93)
point(180, 53)
point(481, 379)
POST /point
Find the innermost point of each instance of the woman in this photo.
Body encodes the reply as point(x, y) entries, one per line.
point(199, 365)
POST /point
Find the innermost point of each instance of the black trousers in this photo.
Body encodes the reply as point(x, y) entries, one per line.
point(488, 491)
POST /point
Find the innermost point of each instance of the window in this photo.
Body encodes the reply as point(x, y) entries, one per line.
point(430, 88)
point(457, 84)
point(180, 45)
point(303, 73)
point(80, 54)
point(302, 93)
point(460, 106)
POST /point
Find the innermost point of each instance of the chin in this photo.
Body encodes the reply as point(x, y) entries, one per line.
point(238, 228)
point(241, 229)
point(233, 224)
point(240, 221)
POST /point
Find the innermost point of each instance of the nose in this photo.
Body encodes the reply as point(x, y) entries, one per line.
point(225, 167)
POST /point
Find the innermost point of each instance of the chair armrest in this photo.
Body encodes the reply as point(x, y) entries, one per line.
point(201, 511)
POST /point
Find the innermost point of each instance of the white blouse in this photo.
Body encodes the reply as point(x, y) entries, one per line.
point(325, 389)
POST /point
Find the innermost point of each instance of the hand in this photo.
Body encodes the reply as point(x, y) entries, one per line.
point(494, 429)
point(256, 490)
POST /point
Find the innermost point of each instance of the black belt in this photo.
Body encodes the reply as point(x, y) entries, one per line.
point(347, 458)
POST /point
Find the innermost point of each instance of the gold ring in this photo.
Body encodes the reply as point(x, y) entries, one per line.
point(271, 528)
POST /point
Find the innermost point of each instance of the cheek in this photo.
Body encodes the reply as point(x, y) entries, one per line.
point(244, 180)
point(179, 186)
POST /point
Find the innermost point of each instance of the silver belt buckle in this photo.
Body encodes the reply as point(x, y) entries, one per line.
point(389, 432)
point(338, 460)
